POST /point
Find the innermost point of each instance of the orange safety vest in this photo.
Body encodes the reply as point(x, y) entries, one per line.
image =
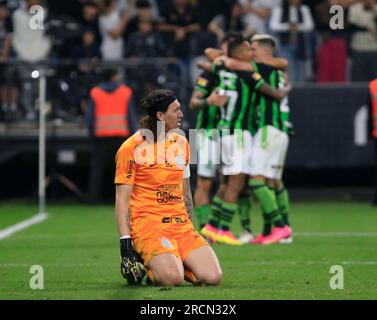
point(373, 96)
point(111, 111)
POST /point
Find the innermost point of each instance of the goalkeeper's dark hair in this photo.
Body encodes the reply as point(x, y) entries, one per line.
point(156, 101)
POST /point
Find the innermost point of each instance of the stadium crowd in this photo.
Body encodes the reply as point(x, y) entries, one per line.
point(88, 33)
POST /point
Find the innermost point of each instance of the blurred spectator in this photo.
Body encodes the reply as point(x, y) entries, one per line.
point(143, 13)
point(207, 9)
point(88, 49)
point(13, 5)
point(182, 22)
point(70, 8)
point(363, 18)
point(164, 6)
point(8, 89)
point(230, 20)
point(154, 8)
point(145, 42)
point(112, 23)
point(291, 21)
point(87, 54)
point(256, 14)
point(332, 52)
point(89, 19)
point(31, 46)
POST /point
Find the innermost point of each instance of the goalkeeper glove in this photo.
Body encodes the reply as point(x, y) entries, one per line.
point(131, 266)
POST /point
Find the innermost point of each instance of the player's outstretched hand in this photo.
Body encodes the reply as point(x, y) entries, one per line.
point(131, 267)
point(288, 88)
point(283, 92)
point(216, 99)
point(204, 65)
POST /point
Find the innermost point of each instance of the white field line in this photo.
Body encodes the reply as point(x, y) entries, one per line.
point(335, 234)
point(261, 262)
point(38, 218)
point(329, 234)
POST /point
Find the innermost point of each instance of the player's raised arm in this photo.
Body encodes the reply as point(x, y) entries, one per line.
point(214, 99)
point(212, 54)
point(278, 63)
point(234, 64)
point(197, 101)
point(204, 65)
point(208, 66)
point(277, 94)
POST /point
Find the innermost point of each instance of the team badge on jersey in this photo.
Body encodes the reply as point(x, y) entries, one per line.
point(256, 76)
point(179, 161)
point(202, 82)
point(166, 243)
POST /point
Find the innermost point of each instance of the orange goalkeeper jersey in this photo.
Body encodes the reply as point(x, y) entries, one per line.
point(155, 170)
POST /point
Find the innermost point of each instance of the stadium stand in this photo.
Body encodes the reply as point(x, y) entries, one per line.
point(155, 44)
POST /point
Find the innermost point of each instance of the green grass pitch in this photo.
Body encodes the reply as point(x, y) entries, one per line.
point(78, 248)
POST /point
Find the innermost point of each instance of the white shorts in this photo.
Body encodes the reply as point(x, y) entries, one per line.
point(208, 155)
point(269, 161)
point(236, 153)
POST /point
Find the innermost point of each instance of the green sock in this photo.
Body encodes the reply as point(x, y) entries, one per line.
point(267, 201)
point(202, 214)
point(267, 225)
point(227, 213)
point(244, 207)
point(282, 198)
point(215, 211)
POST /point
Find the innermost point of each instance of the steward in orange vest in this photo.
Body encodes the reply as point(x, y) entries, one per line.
point(111, 121)
point(373, 124)
point(373, 102)
point(111, 109)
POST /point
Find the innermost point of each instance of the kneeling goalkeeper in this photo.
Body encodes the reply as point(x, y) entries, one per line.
point(154, 204)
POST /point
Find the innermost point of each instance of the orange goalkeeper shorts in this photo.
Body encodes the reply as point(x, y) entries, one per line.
point(176, 237)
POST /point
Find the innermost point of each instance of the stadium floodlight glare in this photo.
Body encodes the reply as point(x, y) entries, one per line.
point(35, 74)
point(42, 140)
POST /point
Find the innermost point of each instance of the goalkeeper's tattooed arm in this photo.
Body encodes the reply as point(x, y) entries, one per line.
point(188, 197)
